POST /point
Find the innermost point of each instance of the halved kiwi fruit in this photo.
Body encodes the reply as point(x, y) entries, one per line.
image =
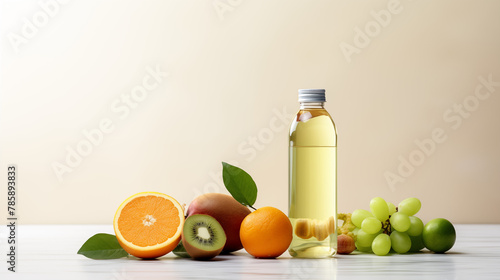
point(203, 237)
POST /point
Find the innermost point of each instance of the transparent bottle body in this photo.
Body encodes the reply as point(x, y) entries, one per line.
point(313, 183)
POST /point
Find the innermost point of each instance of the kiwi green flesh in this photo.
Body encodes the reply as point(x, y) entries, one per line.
point(203, 237)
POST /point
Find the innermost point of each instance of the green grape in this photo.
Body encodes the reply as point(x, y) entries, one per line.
point(416, 226)
point(364, 239)
point(400, 241)
point(371, 225)
point(379, 208)
point(409, 206)
point(355, 231)
point(381, 244)
point(359, 215)
point(400, 222)
point(363, 249)
point(417, 243)
point(392, 208)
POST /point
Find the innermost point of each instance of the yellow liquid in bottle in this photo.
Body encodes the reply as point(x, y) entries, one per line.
point(313, 184)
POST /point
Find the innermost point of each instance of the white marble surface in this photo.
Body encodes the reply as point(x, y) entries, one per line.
point(49, 252)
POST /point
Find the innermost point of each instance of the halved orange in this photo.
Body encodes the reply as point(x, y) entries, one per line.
point(149, 224)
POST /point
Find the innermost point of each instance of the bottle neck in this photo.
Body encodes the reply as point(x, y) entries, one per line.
point(312, 105)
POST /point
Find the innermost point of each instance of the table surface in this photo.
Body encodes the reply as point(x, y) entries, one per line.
point(49, 252)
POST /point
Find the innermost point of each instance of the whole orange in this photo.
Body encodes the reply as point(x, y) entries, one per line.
point(266, 233)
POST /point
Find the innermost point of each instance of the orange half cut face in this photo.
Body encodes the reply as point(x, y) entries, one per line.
point(149, 224)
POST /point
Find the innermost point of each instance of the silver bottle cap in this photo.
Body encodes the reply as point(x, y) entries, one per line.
point(312, 95)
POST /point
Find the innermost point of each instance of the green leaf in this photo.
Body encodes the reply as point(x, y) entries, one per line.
point(180, 251)
point(102, 246)
point(240, 184)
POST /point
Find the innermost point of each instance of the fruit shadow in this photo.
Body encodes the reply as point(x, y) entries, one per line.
point(216, 259)
point(434, 253)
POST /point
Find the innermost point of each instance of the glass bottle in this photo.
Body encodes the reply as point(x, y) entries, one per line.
point(313, 178)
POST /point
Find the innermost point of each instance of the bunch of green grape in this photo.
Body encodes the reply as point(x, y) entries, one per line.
point(387, 227)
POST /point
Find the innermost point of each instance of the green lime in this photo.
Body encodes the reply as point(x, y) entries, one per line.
point(439, 235)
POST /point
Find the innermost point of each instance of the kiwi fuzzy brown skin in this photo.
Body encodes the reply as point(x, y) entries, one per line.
point(227, 211)
point(199, 254)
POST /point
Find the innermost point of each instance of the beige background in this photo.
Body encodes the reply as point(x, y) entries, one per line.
point(231, 90)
